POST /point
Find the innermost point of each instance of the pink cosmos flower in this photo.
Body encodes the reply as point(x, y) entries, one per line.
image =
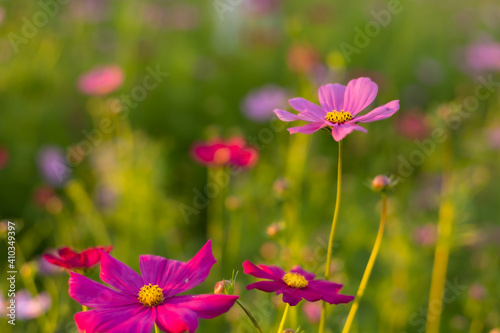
point(219, 153)
point(101, 81)
point(136, 302)
point(339, 108)
point(71, 260)
point(295, 285)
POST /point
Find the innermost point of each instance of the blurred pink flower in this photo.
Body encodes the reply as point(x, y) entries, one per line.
point(412, 125)
point(27, 306)
point(101, 81)
point(2, 15)
point(263, 7)
point(312, 312)
point(483, 56)
point(477, 291)
point(259, 103)
point(425, 235)
point(493, 137)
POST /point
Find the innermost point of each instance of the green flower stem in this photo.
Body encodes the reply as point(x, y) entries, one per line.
point(254, 322)
point(368, 269)
point(156, 329)
point(332, 233)
point(282, 324)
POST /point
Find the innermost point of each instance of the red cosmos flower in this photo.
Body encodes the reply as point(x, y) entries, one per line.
point(295, 285)
point(219, 153)
point(72, 260)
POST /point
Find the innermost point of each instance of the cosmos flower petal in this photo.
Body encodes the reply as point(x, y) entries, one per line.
point(263, 271)
point(104, 320)
point(175, 319)
point(142, 322)
point(290, 295)
point(359, 94)
point(382, 112)
point(307, 108)
point(92, 256)
point(266, 286)
point(192, 273)
point(340, 131)
point(287, 116)
point(204, 306)
point(153, 269)
point(331, 97)
point(309, 295)
point(95, 295)
point(119, 275)
point(308, 275)
point(321, 285)
point(308, 129)
point(54, 260)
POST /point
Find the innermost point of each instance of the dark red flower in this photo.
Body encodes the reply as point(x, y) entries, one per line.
point(72, 260)
point(235, 152)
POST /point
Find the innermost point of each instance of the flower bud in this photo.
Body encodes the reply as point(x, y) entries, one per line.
point(220, 287)
point(274, 228)
point(381, 183)
point(288, 330)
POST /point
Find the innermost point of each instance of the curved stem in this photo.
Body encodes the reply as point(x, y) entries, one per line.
point(282, 324)
point(332, 233)
point(368, 269)
point(254, 322)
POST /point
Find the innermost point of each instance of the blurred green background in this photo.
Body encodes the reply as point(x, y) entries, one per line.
point(129, 189)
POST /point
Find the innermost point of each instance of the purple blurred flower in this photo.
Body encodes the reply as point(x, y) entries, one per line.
point(259, 104)
point(52, 165)
point(477, 291)
point(28, 307)
point(412, 125)
point(263, 7)
point(483, 56)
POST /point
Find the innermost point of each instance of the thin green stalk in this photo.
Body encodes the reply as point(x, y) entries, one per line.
point(368, 269)
point(254, 322)
point(282, 324)
point(442, 251)
point(84, 308)
point(156, 329)
point(332, 233)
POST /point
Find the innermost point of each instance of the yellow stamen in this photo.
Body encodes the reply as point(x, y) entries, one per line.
point(150, 295)
point(338, 117)
point(295, 280)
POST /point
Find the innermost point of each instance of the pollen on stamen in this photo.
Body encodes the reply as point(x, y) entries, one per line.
point(338, 117)
point(295, 280)
point(150, 295)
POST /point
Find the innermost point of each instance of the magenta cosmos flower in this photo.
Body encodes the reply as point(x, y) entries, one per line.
point(101, 81)
point(339, 108)
point(136, 302)
point(72, 260)
point(235, 152)
point(295, 285)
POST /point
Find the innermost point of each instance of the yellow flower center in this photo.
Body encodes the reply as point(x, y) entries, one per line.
point(338, 116)
point(295, 280)
point(150, 295)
